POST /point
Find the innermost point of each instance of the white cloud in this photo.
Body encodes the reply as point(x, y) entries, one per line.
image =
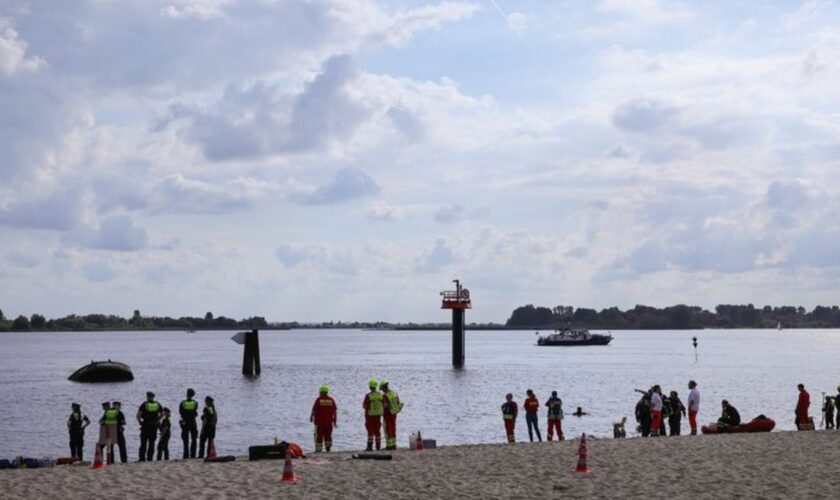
point(201, 11)
point(13, 58)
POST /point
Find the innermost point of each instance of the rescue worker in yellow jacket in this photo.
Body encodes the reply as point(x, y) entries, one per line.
point(393, 406)
point(374, 409)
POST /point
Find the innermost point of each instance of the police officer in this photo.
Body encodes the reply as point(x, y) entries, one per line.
point(76, 424)
point(189, 428)
point(374, 409)
point(117, 406)
point(148, 416)
point(209, 418)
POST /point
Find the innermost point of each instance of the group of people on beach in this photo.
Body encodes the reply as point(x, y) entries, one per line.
point(654, 409)
point(155, 425)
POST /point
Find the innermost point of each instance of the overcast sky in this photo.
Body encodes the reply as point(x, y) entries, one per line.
point(345, 160)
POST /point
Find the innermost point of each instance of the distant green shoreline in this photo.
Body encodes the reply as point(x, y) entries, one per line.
point(529, 317)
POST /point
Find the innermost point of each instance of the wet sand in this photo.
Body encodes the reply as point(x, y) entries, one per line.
point(770, 465)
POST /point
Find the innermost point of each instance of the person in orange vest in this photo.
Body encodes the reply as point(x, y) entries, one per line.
point(324, 416)
point(532, 405)
point(509, 411)
point(555, 416)
point(374, 409)
point(392, 403)
point(802, 405)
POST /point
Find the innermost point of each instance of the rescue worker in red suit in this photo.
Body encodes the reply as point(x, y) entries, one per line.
point(802, 407)
point(324, 415)
point(509, 411)
point(374, 409)
point(392, 406)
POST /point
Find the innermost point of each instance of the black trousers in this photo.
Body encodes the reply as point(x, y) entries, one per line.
point(120, 445)
point(207, 436)
point(163, 447)
point(674, 422)
point(189, 435)
point(77, 442)
point(147, 443)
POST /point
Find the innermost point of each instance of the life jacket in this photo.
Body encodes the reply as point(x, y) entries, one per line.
point(375, 406)
point(555, 408)
point(394, 404)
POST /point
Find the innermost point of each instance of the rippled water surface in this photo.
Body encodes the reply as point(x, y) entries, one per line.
point(757, 370)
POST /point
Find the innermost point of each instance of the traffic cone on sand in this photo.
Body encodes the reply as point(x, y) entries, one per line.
point(97, 459)
point(581, 465)
point(211, 452)
point(288, 472)
point(419, 446)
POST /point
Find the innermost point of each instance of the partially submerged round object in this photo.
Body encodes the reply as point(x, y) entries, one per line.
point(103, 371)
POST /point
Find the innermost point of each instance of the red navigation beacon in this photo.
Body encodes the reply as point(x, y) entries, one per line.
point(456, 299)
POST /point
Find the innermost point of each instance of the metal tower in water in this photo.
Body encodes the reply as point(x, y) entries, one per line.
point(458, 300)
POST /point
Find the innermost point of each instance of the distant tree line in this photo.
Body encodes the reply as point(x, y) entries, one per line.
point(678, 317)
point(137, 321)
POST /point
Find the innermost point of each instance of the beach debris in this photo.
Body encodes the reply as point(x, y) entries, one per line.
point(582, 468)
point(97, 458)
point(288, 472)
point(372, 456)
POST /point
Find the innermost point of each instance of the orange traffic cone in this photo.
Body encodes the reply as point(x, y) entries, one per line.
point(211, 451)
point(420, 446)
point(581, 465)
point(288, 473)
point(97, 459)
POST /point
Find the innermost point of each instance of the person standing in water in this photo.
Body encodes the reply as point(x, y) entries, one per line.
point(76, 424)
point(693, 406)
point(555, 416)
point(532, 405)
point(509, 412)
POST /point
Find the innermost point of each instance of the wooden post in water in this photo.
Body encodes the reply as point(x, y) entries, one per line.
point(251, 357)
point(457, 300)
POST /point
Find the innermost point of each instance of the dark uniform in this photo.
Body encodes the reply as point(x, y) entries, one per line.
point(189, 428)
point(120, 434)
point(76, 424)
point(149, 416)
point(165, 431)
point(209, 418)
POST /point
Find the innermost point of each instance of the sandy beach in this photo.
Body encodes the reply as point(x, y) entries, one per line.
point(772, 465)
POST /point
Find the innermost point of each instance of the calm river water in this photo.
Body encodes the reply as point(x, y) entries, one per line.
point(757, 370)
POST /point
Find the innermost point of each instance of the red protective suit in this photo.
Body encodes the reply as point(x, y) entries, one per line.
point(324, 412)
point(802, 408)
